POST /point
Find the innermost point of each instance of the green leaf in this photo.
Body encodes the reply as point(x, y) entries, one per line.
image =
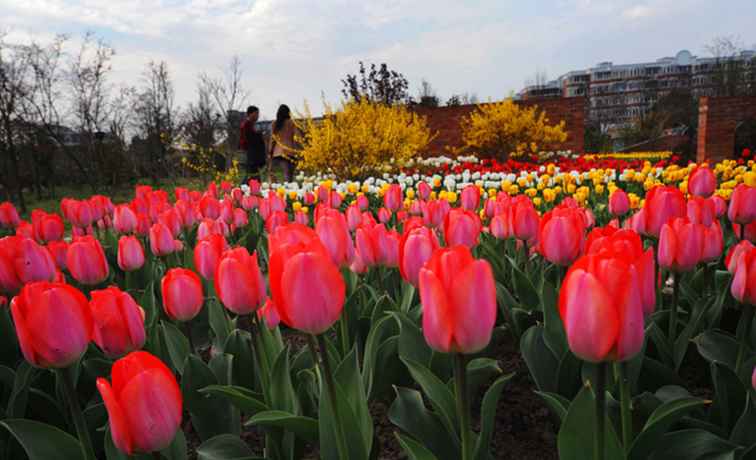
point(112, 452)
point(219, 322)
point(488, 416)
point(557, 403)
point(349, 378)
point(439, 394)
point(729, 396)
point(413, 449)
point(304, 427)
point(542, 363)
point(660, 421)
point(408, 295)
point(282, 394)
point(225, 447)
point(177, 344)
point(743, 432)
point(148, 303)
point(20, 394)
point(683, 340)
point(409, 413)
point(242, 398)
point(717, 346)
point(524, 288)
point(576, 434)
point(44, 442)
point(692, 445)
point(211, 415)
point(239, 345)
point(480, 371)
point(375, 338)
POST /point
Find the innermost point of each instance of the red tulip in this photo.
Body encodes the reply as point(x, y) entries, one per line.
point(47, 227)
point(240, 218)
point(183, 295)
point(25, 229)
point(734, 253)
point(301, 217)
point(500, 227)
point(307, 288)
point(743, 286)
point(143, 224)
point(749, 233)
point(291, 234)
point(144, 403)
point(210, 207)
point(636, 222)
point(458, 295)
point(701, 210)
point(561, 233)
point(702, 182)
point(53, 324)
point(416, 247)
point(118, 322)
point(161, 240)
point(713, 243)
point(742, 205)
point(423, 190)
point(601, 307)
point(86, 261)
point(393, 197)
point(470, 197)
point(720, 205)
point(58, 250)
point(332, 229)
point(124, 219)
point(239, 282)
point(130, 253)
point(663, 203)
point(681, 245)
point(619, 203)
point(490, 207)
point(384, 215)
point(462, 227)
point(377, 246)
point(34, 262)
point(208, 227)
point(523, 219)
point(207, 255)
point(172, 221)
point(353, 217)
point(626, 244)
point(9, 248)
point(269, 314)
point(9, 217)
point(275, 220)
point(434, 212)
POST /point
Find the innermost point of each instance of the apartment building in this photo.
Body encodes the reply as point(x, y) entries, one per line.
point(617, 94)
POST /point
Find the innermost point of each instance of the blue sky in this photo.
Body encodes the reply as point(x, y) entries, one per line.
point(298, 50)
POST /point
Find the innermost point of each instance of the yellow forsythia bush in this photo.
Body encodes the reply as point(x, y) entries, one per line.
point(504, 128)
point(361, 139)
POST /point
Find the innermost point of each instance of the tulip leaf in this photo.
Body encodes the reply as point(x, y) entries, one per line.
point(239, 345)
point(524, 288)
point(413, 449)
point(211, 414)
point(480, 372)
point(693, 444)
point(682, 342)
point(20, 394)
point(488, 416)
point(409, 413)
point(577, 431)
point(349, 377)
point(177, 345)
point(304, 427)
point(717, 346)
point(225, 447)
point(242, 398)
point(408, 295)
point(729, 396)
point(743, 432)
point(283, 397)
point(219, 322)
point(375, 338)
point(660, 421)
point(439, 394)
point(112, 452)
point(148, 303)
point(542, 363)
point(556, 402)
point(42, 441)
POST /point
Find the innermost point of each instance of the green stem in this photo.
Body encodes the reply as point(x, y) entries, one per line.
point(598, 438)
point(261, 361)
point(331, 388)
point(743, 333)
point(188, 331)
point(69, 391)
point(626, 411)
point(463, 403)
point(128, 281)
point(673, 309)
point(344, 330)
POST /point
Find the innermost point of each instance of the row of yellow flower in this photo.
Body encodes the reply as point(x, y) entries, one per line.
point(662, 155)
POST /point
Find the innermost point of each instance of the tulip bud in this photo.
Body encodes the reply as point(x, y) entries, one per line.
point(47, 227)
point(561, 233)
point(34, 262)
point(743, 286)
point(183, 295)
point(458, 294)
point(470, 199)
point(702, 182)
point(118, 322)
point(144, 403)
point(9, 217)
point(523, 219)
point(619, 203)
point(663, 203)
point(207, 255)
point(416, 247)
point(333, 232)
point(681, 245)
point(53, 324)
point(701, 210)
point(393, 197)
point(130, 253)
point(124, 219)
point(462, 227)
point(58, 250)
point(239, 282)
point(161, 240)
point(86, 261)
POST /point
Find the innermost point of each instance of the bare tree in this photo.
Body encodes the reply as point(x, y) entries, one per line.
point(427, 95)
point(462, 99)
point(154, 116)
point(539, 79)
point(225, 94)
point(730, 74)
point(379, 84)
point(201, 121)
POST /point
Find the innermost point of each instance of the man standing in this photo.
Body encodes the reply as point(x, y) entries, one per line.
point(251, 140)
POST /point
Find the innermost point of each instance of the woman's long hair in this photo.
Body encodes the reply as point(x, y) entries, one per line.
point(282, 115)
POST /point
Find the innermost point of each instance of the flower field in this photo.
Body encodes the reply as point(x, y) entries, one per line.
point(269, 320)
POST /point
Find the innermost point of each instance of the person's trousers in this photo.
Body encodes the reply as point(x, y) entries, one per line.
point(286, 167)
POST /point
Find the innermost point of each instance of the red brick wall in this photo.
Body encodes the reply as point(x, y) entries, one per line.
point(718, 117)
point(444, 122)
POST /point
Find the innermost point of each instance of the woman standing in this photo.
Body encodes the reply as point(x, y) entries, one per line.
point(283, 145)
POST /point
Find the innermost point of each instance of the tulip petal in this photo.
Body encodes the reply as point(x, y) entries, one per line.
point(119, 427)
point(590, 320)
point(437, 327)
point(474, 307)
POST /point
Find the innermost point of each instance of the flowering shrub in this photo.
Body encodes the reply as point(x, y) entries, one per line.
point(506, 128)
point(362, 138)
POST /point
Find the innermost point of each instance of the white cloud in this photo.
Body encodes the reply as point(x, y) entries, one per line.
point(638, 12)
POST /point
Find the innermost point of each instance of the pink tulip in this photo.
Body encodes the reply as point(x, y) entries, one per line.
point(124, 219)
point(207, 255)
point(58, 250)
point(239, 282)
point(458, 295)
point(619, 203)
point(384, 215)
point(34, 262)
point(743, 286)
point(130, 253)
point(86, 261)
point(118, 322)
point(416, 248)
point(423, 190)
point(9, 217)
point(393, 197)
point(742, 205)
point(713, 243)
point(701, 210)
point(47, 227)
point(161, 240)
point(733, 254)
point(462, 227)
point(663, 203)
point(333, 231)
point(470, 197)
point(523, 219)
point(182, 293)
point(681, 245)
point(434, 213)
point(702, 182)
point(561, 233)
